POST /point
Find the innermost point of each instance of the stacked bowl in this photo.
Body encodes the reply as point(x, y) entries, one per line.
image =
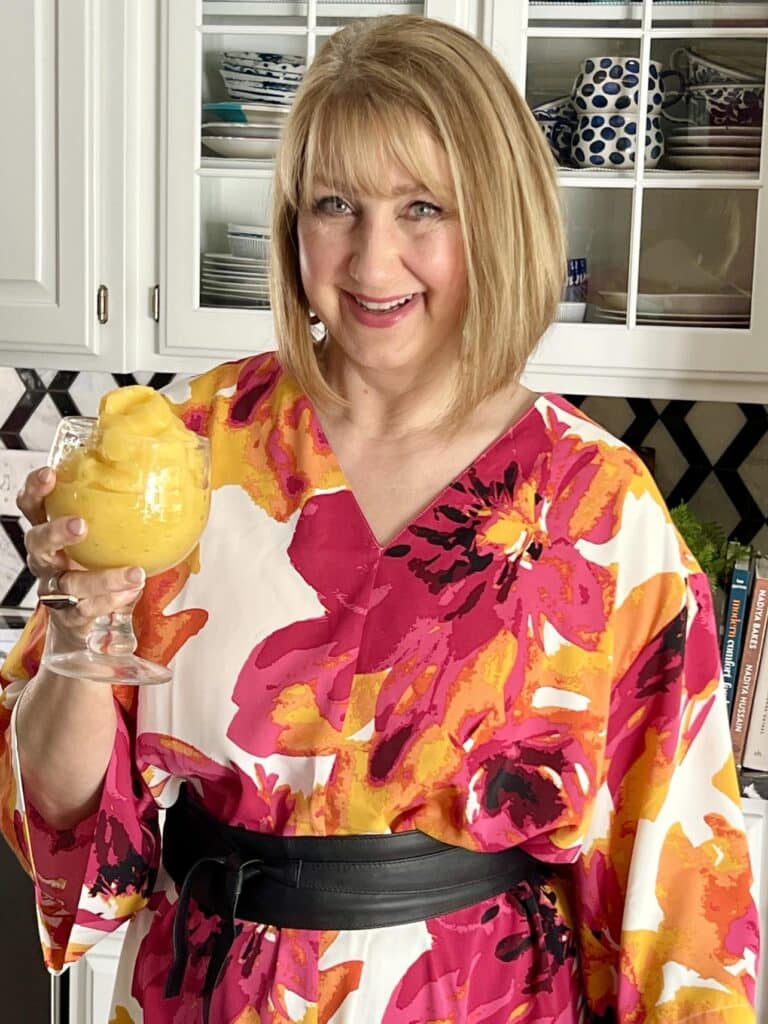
point(606, 97)
point(722, 125)
point(262, 87)
point(257, 77)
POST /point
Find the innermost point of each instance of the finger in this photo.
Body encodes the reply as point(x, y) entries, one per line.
point(107, 585)
point(30, 499)
point(45, 544)
point(76, 622)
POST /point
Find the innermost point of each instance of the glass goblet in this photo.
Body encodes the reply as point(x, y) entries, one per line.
point(146, 503)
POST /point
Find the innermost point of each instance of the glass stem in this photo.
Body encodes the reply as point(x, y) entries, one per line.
point(113, 634)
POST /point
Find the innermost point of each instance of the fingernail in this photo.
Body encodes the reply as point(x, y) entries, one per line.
point(45, 475)
point(135, 575)
point(76, 526)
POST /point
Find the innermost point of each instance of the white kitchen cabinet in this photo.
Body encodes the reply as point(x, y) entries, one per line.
point(92, 982)
point(649, 230)
point(68, 182)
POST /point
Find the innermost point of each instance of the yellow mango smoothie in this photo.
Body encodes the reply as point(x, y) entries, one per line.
point(140, 484)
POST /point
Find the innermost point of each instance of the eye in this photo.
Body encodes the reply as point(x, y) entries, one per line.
point(330, 204)
point(433, 211)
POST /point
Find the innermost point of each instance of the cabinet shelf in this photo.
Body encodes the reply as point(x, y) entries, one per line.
point(227, 167)
point(669, 11)
point(288, 9)
point(568, 178)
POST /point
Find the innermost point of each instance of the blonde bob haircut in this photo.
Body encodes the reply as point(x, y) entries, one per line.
point(362, 106)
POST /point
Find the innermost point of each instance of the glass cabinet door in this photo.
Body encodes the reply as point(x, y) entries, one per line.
point(231, 68)
point(654, 114)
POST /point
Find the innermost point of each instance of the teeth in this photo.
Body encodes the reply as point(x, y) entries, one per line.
point(379, 306)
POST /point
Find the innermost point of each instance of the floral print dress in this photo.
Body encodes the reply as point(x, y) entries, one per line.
point(532, 661)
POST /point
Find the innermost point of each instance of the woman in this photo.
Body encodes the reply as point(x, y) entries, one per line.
point(480, 644)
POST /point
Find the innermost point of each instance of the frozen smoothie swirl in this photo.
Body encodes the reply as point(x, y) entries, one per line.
point(140, 485)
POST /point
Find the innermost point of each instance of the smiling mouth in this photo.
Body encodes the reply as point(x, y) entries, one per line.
point(382, 305)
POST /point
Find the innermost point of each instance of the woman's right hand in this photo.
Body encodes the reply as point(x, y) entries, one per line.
point(99, 593)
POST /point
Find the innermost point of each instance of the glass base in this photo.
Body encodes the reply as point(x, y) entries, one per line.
point(118, 669)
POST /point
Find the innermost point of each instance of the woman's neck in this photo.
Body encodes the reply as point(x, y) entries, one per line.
point(389, 403)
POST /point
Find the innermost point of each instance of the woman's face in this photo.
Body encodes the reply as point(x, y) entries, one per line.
point(361, 248)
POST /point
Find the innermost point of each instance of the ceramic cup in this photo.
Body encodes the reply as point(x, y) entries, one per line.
point(612, 84)
point(724, 104)
point(558, 132)
point(700, 70)
point(557, 119)
point(609, 141)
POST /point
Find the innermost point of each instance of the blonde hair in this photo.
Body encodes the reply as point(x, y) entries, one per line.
point(366, 97)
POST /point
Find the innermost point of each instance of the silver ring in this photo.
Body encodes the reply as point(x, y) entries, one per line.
point(55, 597)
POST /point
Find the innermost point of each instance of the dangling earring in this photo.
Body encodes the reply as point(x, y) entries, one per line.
point(317, 327)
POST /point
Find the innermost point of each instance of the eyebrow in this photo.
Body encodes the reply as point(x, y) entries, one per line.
point(401, 190)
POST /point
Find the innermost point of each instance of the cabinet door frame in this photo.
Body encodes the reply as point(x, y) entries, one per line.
point(756, 819)
point(77, 172)
point(92, 981)
point(191, 336)
point(648, 362)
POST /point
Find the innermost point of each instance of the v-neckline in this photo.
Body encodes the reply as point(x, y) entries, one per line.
point(490, 448)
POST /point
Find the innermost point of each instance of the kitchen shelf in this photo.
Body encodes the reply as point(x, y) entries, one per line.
point(596, 11)
point(657, 179)
point(265, 9)
point(217, 167)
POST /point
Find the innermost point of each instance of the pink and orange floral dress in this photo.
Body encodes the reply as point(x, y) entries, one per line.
point(532, 660)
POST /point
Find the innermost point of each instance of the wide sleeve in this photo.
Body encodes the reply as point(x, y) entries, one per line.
point(89, 879)
point(668, 927)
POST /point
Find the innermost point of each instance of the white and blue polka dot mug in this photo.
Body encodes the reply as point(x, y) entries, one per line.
point(609, 141)
point(611, 84)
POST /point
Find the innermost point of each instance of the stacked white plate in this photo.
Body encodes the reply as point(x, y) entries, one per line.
point(244, 113)
point(714, 148)
point(227, 280)
point(257, 77)
point(243, 141)
point(723, 311)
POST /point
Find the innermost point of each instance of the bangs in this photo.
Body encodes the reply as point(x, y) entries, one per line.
point(354, 140)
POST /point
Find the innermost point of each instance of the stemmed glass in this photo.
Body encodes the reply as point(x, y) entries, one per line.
point(146, 503)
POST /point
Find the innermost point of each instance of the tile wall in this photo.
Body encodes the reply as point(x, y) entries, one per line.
point(712, 455)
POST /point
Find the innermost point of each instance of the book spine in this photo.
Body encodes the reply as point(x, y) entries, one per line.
point(754, 637)
point(756, 742)
point(736, 612)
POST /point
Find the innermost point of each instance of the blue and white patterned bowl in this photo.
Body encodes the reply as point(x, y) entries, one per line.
point(610, 84)
point(609, 141)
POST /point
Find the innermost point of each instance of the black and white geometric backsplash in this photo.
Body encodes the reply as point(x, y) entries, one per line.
point(712, 455)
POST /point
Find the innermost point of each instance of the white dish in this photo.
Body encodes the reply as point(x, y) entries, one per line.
point(714, 163)
point(717, 129)
point(227, 257)
point(237, 289)
point(728, 324)
point(256, 230)
point(237, 129)
point(750, 143)
point(250, 113)
point(225, 271)
point(697, 153)
point(243, 149)
point(231, 303)
point(669, 318)
point(570, 312)
point(212, 277)
point(694, 304)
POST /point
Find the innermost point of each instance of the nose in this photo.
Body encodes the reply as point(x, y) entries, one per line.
point(376, 255)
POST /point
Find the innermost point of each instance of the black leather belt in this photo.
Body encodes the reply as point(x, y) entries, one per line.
point(318, 882)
